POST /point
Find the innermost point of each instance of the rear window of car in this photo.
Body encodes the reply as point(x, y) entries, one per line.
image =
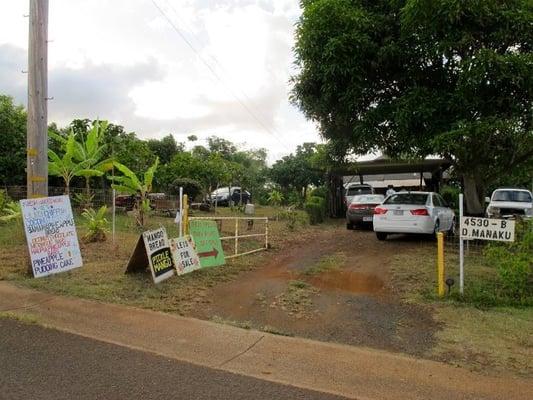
point(418, 199)
point(373, 198)
point(353, 191)
point(512, 195)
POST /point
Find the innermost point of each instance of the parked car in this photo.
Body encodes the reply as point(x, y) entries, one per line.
point(361, 209)
point(355, 189)
point(223, 196)
point(413, 212)
point(126, 201)
point(510, 202)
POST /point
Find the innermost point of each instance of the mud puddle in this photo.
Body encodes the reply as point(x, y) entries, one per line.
point(348, 281)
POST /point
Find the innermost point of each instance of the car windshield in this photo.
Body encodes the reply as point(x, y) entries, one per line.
point(418, 199)
point(353, 191)
point(220, 191)
point(372, 199)
point(512, 195)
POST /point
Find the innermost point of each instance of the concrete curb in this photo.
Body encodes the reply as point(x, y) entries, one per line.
point(338, 369)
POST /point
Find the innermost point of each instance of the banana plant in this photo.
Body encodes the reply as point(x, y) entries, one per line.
point(129, 183)
point(89, 147)
point(11, 211)
point(66, 166)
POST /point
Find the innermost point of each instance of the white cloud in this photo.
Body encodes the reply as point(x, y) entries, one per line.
point(123, 61)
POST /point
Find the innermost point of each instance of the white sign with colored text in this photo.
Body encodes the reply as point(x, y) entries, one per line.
point(51, 235)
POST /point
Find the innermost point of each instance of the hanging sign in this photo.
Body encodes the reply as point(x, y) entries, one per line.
point(51, 235)
point(184, 255)
point(153, 250)
point(207, 240)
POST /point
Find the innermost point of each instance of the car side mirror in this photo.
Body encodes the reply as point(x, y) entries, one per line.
point(487, 199)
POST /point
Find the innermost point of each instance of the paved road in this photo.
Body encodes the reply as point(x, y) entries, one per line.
point(41, 363)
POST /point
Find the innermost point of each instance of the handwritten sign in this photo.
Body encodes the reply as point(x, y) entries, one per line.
point(153, 250)
point(207, 240)
point(184, 255)
point(51, 235)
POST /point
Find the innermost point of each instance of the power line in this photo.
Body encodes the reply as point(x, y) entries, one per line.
point(217, 76)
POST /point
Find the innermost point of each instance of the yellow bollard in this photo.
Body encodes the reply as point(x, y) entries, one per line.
point(185, 214)
point(440, 264)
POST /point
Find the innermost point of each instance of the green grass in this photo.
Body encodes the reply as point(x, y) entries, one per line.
point(24, 318)
point(476, 332)
point(297, 298)
point(102, 276)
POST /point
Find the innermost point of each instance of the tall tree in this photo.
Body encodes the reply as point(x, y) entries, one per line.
point(165, 148)
point(420, 77)
point(12, 142)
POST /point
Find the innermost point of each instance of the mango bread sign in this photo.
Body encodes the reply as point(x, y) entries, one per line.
point(473, 228)
point(153, 250)
point(207, 240)
point(51, 235)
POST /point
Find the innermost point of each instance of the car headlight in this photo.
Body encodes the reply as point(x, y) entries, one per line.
point(493, 211)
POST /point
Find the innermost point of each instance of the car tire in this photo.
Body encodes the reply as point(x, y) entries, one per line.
point(436, 228)
point(451, 231)
point(381, 235)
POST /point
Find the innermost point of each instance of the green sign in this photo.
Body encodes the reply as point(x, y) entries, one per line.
point(207, 240)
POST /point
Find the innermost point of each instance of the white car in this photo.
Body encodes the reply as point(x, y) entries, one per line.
point(510, 202)
point(413, 212)
point(356, 189)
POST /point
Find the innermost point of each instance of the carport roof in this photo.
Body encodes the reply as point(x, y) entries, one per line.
point(388, 166)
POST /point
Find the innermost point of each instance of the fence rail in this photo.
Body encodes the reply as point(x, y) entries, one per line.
point(236, 229)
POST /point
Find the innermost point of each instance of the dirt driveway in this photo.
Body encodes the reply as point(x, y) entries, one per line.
point(333, 285)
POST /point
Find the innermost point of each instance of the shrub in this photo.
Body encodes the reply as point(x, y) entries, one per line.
point(315, 213)
point(192, 188)
point(96, 224)
point(321, 191)
point(514, 263)
point(4, 200)
point(321, 202)
point(451, 195)
point(293, 218)
point(275, 198)
point(10, 211)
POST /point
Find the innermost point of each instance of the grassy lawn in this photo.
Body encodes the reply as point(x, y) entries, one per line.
point(102, 275)
point(474, 335)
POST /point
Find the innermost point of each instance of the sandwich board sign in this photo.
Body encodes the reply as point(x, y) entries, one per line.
point(51, 235)
point(184, 255)
point(207, 240)
point(474, 228)
point(153, 250)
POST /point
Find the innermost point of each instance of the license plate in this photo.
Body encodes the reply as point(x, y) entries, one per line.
point(397, 212)
point(367, 219)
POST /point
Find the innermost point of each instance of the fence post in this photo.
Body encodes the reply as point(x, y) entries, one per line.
point(185, 216)
point(181, 213)
point(236, 235)
point(114, 212)
point(266, 233)
point(461, 247)
point(440, 264)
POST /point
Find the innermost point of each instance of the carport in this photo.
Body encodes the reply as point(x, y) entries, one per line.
point(428, 172)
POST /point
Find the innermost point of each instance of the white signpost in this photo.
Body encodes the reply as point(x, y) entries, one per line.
point(476, 228)
point(51, 235)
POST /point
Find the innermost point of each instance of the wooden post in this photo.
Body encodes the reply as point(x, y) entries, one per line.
point(37, 123)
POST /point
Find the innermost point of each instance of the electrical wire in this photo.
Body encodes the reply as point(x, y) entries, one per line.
point(216, 75)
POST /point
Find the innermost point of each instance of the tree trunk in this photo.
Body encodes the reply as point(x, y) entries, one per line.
point(474, 191)
point(67, 187)
point(87, 192)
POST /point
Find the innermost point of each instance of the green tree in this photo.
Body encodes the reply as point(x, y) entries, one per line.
point(12, 142)
point(297, 171)
point(165, 148)
point(419, 77)
point(129, 183)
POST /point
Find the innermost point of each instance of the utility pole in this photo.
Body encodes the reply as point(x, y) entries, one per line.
point(37, 125)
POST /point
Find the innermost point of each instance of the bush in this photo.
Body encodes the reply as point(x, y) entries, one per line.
point(321, 202)
point(451, 195)
point(96, 224)
point(321, 191)
point(293, 218)
point(514, 263)
point(191, 187)
point(315, 213)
